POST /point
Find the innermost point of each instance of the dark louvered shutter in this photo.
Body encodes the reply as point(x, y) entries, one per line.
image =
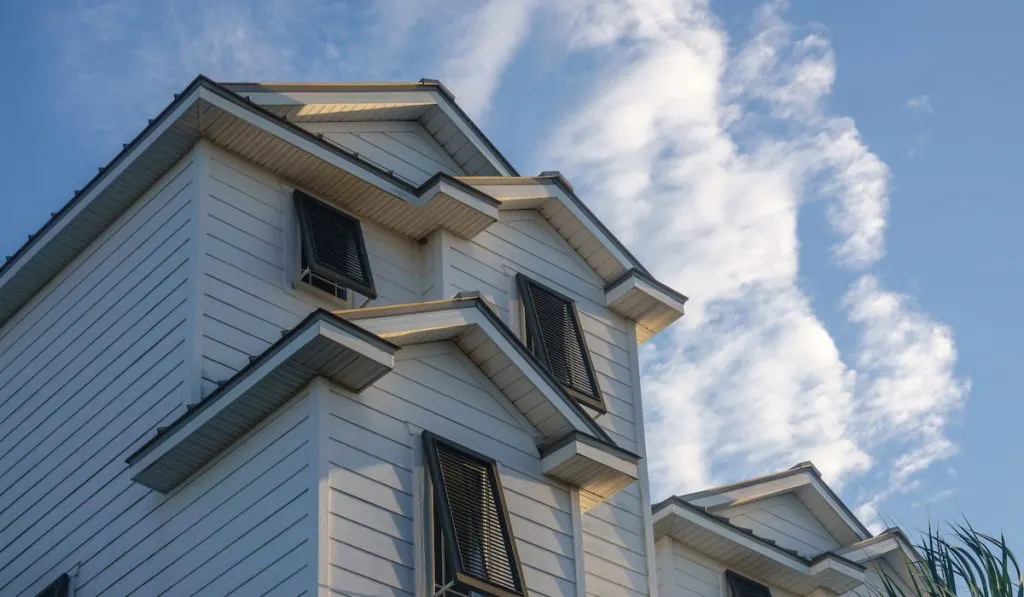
point(741, 586)
point(554, 334)
point(58, 588)
point(471, 513)
point(332, 245)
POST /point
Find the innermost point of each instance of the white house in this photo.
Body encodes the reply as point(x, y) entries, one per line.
point(781, 535)
point(324, 339)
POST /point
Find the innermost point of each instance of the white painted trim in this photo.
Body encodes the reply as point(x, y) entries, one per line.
point(634, 282)
point(360, 345)
point(445, 187)
point(641, 449)
point(306, 145)
point(422, 521)
point(462, 124)
point(664, 553)
point(320, 470)
point(592, 453)
point(838, 507)
point(195, 284)
point(577, 542)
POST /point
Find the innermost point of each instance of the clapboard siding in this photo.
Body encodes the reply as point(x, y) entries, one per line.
point(247, 298)
point(614, 533)
point(87, 370)
point(683, 572)
point(237, 517)
point(370, 448)
point(785, 520)
point(405, 148)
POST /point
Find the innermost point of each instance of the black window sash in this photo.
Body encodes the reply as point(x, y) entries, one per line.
point(444, 524)
point(535, 342)
point(362, 281)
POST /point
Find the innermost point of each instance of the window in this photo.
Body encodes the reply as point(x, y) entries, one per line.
point(333, 252)
point(473, 549)
point(741, 586)
point(554, 335)
point(58, 588)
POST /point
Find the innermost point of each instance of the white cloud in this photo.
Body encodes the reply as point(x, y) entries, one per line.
point(485, 42)
point(920, 103)
point(701, 152)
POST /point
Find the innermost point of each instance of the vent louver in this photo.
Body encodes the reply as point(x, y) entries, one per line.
point(333, 246)
point(470, 507)
point(555, 336)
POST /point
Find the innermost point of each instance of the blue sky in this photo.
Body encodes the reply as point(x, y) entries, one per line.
point(833, 184)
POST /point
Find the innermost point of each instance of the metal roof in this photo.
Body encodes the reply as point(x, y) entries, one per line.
point(321, 345)
point(205, 109)
point(495, 325)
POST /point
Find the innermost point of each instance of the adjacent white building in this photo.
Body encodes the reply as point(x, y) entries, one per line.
point(325, 340)
point(781, 535)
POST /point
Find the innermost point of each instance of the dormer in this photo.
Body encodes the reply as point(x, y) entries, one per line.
point(784, 533)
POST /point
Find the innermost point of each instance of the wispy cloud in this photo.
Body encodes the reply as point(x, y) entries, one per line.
point(920, 103)
point(485, 42)
point(701, 157)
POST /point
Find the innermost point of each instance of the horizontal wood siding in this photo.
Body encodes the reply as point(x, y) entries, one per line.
point(370, 449)
point(88, 369)
point(614, 533)
point(785, 520)
point(247, 299)
point(405, 148)
point(683, 572)
point(238, 527)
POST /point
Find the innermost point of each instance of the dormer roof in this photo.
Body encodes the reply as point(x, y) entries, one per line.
point(805, 482)
point(261, 123)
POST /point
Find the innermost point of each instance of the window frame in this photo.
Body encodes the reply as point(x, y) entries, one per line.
point(733, 579)
point(534, 342)
point(307, 250)
point(440, 521)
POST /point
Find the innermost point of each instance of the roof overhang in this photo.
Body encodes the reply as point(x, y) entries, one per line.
point(428, 102)
point(554, 197)
point(805, 482)
point(575, 449)
point(640, 298)
point(751, 555)
point(891, 544)
point(322, 345)
point(630, 289)
point(208, 110)
point(598, 471)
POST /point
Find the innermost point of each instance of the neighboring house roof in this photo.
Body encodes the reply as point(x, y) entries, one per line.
point(805, 480)
point(702, 521)
point(205, 109)
point(759, 557)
